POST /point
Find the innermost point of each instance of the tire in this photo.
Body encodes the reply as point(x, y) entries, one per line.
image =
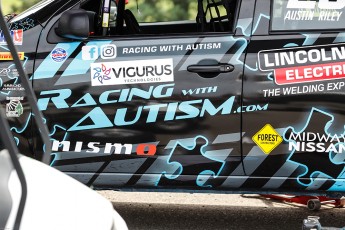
point(314, 204)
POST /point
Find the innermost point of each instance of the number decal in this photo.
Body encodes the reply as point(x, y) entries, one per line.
point(298, 4)
point(331, 5)
point(323, 4)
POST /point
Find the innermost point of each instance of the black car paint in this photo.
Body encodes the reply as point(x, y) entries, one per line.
point(180, 161)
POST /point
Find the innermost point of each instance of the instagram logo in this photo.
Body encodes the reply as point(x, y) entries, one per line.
point(108, 51)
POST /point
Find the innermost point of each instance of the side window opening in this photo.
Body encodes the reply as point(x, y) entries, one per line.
point(220, 15)
point(187, 16)
point(160, 17)
point(94, 6)
point(153, 17)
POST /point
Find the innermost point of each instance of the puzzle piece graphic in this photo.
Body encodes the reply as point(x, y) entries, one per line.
point(57, 132)
point(328, 164)
point(24, 24)
point(193, 164)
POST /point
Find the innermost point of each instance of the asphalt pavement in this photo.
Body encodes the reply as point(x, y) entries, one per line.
point(151, 210)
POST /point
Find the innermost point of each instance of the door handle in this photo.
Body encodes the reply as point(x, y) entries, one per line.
point(225, 68)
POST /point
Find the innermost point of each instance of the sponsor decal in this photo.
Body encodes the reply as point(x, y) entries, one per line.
point(146, 113)
point(5, 72)
point(267, 139)
point(17, 37)
point(91, 53)
point(304, 64)
point(304, 89)
point(105, 22)
point(171, 48)
point(14, 108)
point(7, 56)
point(59, 55)
point(323, 10)
point(317, 145)
point(108, 51)
point(310, 64)
point(132, 72)
point(106, 148)
point(12, 87)
point(316, 142)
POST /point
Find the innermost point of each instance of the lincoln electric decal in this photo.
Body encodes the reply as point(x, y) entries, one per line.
point(310, 64)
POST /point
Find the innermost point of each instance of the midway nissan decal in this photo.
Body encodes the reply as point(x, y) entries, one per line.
point(304, 64)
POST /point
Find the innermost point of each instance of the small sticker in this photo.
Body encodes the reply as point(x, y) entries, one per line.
point(7, 56)
point(108, 51)
point(90, 53)
point(12, 87)
point(14, 108)
point(17, 37)
point(8, 72)
point(267, 139)
point(105, 22)
point(59, 55)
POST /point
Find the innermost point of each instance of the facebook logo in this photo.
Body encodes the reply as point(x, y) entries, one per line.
point(90, 53)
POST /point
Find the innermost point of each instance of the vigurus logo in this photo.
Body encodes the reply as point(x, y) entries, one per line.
point(134, 72)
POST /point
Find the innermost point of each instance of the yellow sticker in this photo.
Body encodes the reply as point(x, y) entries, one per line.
point(105, 22)
point(7, 56)
point(267, 139)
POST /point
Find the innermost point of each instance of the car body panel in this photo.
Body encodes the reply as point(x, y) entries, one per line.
point(130, 112)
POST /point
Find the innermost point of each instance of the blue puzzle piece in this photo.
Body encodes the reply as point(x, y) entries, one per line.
point(315, 161)
point(194, 165)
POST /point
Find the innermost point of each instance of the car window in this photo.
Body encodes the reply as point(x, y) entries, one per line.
point(32, 10)
point(174, 16)
point(296, 15)
point(167, 16)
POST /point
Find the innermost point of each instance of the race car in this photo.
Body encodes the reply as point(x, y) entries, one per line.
point(194, 95)
point(27, 188)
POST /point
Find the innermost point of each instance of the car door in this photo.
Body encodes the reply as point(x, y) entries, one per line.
point(297, 144)
point(154, 106)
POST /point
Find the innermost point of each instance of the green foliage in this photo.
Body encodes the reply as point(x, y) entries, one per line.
point(168, 10)
point(163, 10)
point(144, 10)
point(17, 6)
